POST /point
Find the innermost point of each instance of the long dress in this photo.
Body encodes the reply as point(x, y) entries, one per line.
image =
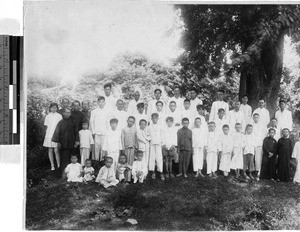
point(268, 167)
point(296, 155)
point(284, 152)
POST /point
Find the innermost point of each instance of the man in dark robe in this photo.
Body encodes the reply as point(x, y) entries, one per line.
point(268, 167)
point(284, 152)
point(66, 134)
point(86, 110)
point(77, 115)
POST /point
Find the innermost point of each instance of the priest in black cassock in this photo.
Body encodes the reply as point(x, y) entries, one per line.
point(284, 152)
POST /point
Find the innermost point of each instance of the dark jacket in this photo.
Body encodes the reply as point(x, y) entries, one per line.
point(184, 139)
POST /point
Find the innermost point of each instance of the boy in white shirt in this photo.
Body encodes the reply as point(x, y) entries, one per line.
point(143, 137)
point(139, 169)
point(85, 141)
point(220, 103)
point(248, 157)
point(140, 114)
point(199, 134)
point(220, 121)
point(119, 114)
point(169, 145)
point(263, 113)
point(284, 117)
point(226, 148)
point(152, 104)
point(156, 134)
point(112, 144)
point(109, 99)
point(238, 146)
point(246, 109)
point(174, 113)
point(187, 112)
point(106, 176)
point(212, 150)
point(98, 127)
point(237, 116)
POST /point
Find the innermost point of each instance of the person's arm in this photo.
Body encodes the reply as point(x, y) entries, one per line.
point(264, 147)
point(140, 137)
point(123, 139)
point(91, 139)
point(91, 127)
point(55, 137)
point(212, 113)
point(178, 141)
point(46, 122)
point(295, 150)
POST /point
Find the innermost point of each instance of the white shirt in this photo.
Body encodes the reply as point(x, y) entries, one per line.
point(161, 118)
point(112, 141)
point(110, 103)
point(152, 107)
point(138, 117)
point(88, 173)
point(139, 166)
point(156, 134)
point(284, 119)
point(214, 110)
point(169, 136)
point(247, 110)
point(264, 115)
point(249, 144)
point(259, 133)
point(122, 117)
point(107, 174)
point(73, 172)
point(132, 107)
point(199, 136)
point(194, 103)
point(220, 123)
point(98, 121)
point(179, 103)
point(51, 121)
point(238, 140)
point(212, 141)
point(143, 137)
point(236, 117)
point(203, 121)
point(226, 144)
point(190, 115)
point(85, 138)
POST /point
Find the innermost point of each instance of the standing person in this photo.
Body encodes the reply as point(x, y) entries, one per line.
point(284, 152)
point(64, 103)
point(268, 167)
point(236, 116)
point(98, 127)
point(156, 135)
point(184, 147)
point(188, 113)
point(296, 155)
point(246, 109)
point(212, 149)
point(248, 157)
point(226, 149)
point(132, 106)
point(263, 113)
point(200, 113)
point(238, 146)
point(140, 114)
point(220, 103)
point(220, 121)
point(77, 115)
point(152, 104)
point(284, 117)
point(51, 121)
point(86, 110)
point(86, 141)
point(129, 139)
point(195, 101)
point(177, 98)
point(119, 114)
point(110, 101)
point(143, 137)
point(199, 137)
point(66, 133)
point(174, 113)
point(161, 114)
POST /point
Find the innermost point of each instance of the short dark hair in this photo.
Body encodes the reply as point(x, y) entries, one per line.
point(199, 107)
point(245, 95)
point(187, 100)
point(142, 120)
point(238, 124)
point(154, 115)
point(159, 102)
point(185, 120)
point(139, 152)
point(212, 123)
point(74, 155)
point(120, 100)
point(256, 114)
point(170, 119)
point(194, 89)
point(101, 98)
point(221, 110)
point(197, 118)
point(286, 129)
point(140, 105)
point(282, 100)
point(88, 160)
point(66, 108)
point(108, 157)
point(113, 120)
point(225, 126)
point(249, 125)
point(131, 117)
point(273, 119)
point(86, 121)
point(53, 104)
point(158, 90)
point(76, 101)
point(220, 91)
point(172, 102)
point(107, 85)
point(271, 129)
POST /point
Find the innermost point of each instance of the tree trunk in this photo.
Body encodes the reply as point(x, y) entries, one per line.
point(261, 77)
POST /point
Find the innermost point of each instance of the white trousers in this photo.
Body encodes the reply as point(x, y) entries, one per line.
point(99, 139)
point(258, 158)
point(138, 179)
point(198, 158)
point(225, 162)
point(212, 162)
point(85, 154)
point(107, 184)
point(146, 155)
point(237, 159)
point(155, 157)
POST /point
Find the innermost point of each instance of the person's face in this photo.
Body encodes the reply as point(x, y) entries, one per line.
point(169, 123)
point(136, 96)
point(53, 109)
point(143, 125)
point(122, 159)
point(273, 122)
point(76, 106)
point(256, 118)
point(207, 117)
point(225, 130)
point(245, 100)
point(157, 95)
point(188, 95)
point(220, 96)
point(238, 128)
point(130, 122)
point(113, 125)
point(120, 105)
point(67, 114)
point(108, 163)
point(187, 105)
point(200, 111)
point(74, 159)
point(85, 105)
point(272, 133)
point(282, 105)
point(95, 105)
point(221, 114)
point(177, 92)
point(237, 106)
point(101, 104)
point(140, 109)
point(211, 127)
point(139, 156)
point(249, 130)
point(261, 103)
point(193, 94)
point(185, 124)
point(154, 120)
point(172, 106)
point(107, 91)
point(65, 102)
point(88, 163)
point(285, 133)
point(159, 107)
point(85, 126)
point(198, 123)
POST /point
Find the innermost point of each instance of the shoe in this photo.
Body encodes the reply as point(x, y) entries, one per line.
point(201, 175)
point(251, 177)
point(171, 175)
point(214, 174)
point(247, 177)
point(210, 175)
point(153, 176)
point(52, 168)
point(185, 175)
point(225, 173)
point(162, 177)
point(197, 174)
point(178, 175)
point(257, 178)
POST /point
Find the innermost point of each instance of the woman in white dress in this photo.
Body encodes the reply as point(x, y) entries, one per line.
point(296, 155)
point(51, 121)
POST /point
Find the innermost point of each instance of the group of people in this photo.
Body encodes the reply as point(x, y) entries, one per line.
point(149, 138)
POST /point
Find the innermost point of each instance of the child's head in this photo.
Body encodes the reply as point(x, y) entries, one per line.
point(245, 99)
point(272, 132)
point(261, 103)
point(85, 124)
point(273, 122)
point(200, 110)
point(140, 107)
point(120, 104)
point(101, 102)
point(185, 122)
point(65, 102)
point(282, 104)
point(88, 163)
point(197, 122)
point(225, 129)
point(237, 105)
point(249, 129)
point(169, 121)
point(67, 113)
point(211, 126)
point(159, 106)
point(107, 89)
point(172, 106)
point(238, 127)
point(256, 117)
point(130, 121)
point(221, 113)
point(108, 161)
point(53, 107)
point(143, 124)
point(187, 104)
point(139, 155)
point(74, 159)
point(85, 105)
point(193, 93)
point(136, 95)
point(113, 123)
point(76, 105)
point(176, 91)
point(157, 94)
point(123, 159)
point(220, 94)
point(285, 132)
point(154, 118)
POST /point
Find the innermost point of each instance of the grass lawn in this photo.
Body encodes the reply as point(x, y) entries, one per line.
point(176, 204)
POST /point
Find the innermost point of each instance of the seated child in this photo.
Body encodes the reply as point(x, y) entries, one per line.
point(123, 169)
point(88, 171)
point(248, 158)
point(74, 170)
point(139, 169)
point(106, 176)
point(226, 149)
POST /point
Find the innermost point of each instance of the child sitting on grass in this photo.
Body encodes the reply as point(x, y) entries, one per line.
point(88, 171)
point(106, 176)
point(139, 168)
point(73, 170)
point(123, 169)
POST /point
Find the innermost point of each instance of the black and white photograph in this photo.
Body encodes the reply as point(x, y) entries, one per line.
point(163, 116)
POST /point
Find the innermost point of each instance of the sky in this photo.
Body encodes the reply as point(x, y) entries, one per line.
point(67, 39)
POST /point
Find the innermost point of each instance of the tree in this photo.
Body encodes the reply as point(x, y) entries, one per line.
point(252, 35)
